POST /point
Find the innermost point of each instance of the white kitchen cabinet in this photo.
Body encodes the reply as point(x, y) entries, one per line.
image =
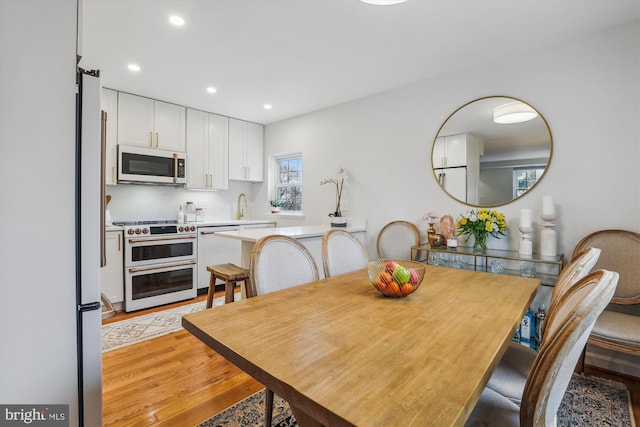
point(110, 106)
point(451, 151)
point(145, 122)
point(112, 274)
point(246, 151)
point(207, 151)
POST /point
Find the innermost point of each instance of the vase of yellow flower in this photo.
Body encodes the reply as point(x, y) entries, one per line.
point(481, 223)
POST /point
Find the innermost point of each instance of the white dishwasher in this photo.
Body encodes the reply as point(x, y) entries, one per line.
point(214, 250)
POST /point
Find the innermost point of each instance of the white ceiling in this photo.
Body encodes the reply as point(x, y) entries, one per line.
point(304, 55)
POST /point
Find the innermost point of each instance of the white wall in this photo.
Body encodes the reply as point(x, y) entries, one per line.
point(37, 176)
point(589, 92)
point(587, 89)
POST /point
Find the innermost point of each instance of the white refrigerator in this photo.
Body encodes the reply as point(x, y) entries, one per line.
point(90, 249)
point(454, 181)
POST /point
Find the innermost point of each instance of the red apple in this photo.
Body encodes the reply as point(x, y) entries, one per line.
point(391, 265)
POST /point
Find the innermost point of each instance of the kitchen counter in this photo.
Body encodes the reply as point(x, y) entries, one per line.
point(252, 235)
point(309, 235)
point(229, 222)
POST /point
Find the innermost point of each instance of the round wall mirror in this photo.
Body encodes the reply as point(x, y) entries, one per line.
point(491, 151)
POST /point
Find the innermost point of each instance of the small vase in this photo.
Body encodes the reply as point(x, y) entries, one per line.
point(479, 242)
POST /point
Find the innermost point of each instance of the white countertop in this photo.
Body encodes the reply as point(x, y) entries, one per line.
point(300, 232)
point(229, 222)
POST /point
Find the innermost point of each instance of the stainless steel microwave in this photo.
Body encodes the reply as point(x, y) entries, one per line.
point(150, 166)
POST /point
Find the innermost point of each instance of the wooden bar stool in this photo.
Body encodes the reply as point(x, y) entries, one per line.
point(230, 274)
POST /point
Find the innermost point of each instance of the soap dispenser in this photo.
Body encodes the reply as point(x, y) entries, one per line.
point(180, 216)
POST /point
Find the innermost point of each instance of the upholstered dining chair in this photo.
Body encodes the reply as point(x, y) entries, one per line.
point(618, 327)
point(342, 252)
point(395, 239)
point(510, 375)
point(555, 363)
point(279, 262)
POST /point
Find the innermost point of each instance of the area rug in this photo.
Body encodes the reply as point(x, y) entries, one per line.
point(141, 328)
point(589, 401)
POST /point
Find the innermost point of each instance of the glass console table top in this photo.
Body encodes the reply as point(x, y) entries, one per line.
point(498, 261)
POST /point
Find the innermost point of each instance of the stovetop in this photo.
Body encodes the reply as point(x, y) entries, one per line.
point(155, 227)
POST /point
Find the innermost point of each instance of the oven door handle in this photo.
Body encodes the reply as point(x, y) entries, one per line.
point(162, 239)
point(161, 267)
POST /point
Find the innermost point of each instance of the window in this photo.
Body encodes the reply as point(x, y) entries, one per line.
point(288, 181)
point(525, 178)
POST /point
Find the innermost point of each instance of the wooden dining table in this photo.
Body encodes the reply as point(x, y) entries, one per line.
point(342, 354)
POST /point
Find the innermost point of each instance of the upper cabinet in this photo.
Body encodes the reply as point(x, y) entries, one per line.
point(207, 151)
point(246, 151)
point(110, 106)
point(146, 122)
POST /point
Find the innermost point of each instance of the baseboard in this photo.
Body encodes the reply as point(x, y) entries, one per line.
point(612, 361)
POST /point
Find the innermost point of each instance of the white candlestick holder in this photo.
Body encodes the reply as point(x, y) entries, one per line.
point(548, 238)
point(525, 247)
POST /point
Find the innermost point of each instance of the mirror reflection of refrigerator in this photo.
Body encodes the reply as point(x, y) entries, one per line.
point(454, 181)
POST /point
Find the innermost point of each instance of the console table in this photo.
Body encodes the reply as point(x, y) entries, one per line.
point(545, 268)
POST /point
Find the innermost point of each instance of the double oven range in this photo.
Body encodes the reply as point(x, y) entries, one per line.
point(160, 263)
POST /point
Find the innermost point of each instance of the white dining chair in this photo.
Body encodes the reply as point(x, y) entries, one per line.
point(555, 363)
point(279, 262)
point(510, 375)
point(396, 238)
point(342, 252)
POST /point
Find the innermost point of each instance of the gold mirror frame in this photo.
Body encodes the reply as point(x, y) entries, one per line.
point(500, 150)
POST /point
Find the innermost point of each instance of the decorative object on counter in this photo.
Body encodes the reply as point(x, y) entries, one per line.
point(337, 220)
point(435, 239)
point(481, 223)
point(395, 278)
point(525, 247)
point(447, 227)
point(180, 216)
point(107, 212)
point(548, 236)
point(275, 206)
point(190, 215)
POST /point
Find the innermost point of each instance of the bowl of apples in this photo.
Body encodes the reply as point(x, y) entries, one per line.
point(395, 278)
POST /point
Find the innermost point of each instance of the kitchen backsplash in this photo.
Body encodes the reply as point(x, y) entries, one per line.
point(152, 202)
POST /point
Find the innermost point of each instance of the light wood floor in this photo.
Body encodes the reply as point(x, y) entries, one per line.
point(176, 380)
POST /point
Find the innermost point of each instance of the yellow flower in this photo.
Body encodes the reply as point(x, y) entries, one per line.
point(489, 227)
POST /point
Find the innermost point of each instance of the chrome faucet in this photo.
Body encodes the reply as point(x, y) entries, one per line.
point(240, 210)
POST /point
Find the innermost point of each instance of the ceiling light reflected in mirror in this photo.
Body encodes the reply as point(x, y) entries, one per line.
point(513, 112)
point(133, 67)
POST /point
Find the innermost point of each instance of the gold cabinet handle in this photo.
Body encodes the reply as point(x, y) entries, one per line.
point(118, 242)
point(113, 174)
point(151, 139)
point(157, 140)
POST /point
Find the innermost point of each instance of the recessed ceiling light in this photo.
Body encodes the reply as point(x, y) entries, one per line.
point(383, 2)
point(211, 89)
point(176, 20)
point(133, 67)
point(267, 106)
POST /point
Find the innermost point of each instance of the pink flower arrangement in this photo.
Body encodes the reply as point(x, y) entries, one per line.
point(430, 217)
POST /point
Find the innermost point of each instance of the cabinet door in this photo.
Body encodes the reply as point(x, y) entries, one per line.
point(169, 126)
point(218, 131)
point(254, 151)
point(197, 140)
point(110, 106)
point(438, 153)
point(456, 150)
point(236, 149)
point(111, 275)
point(135, 120)
point(214, 250)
